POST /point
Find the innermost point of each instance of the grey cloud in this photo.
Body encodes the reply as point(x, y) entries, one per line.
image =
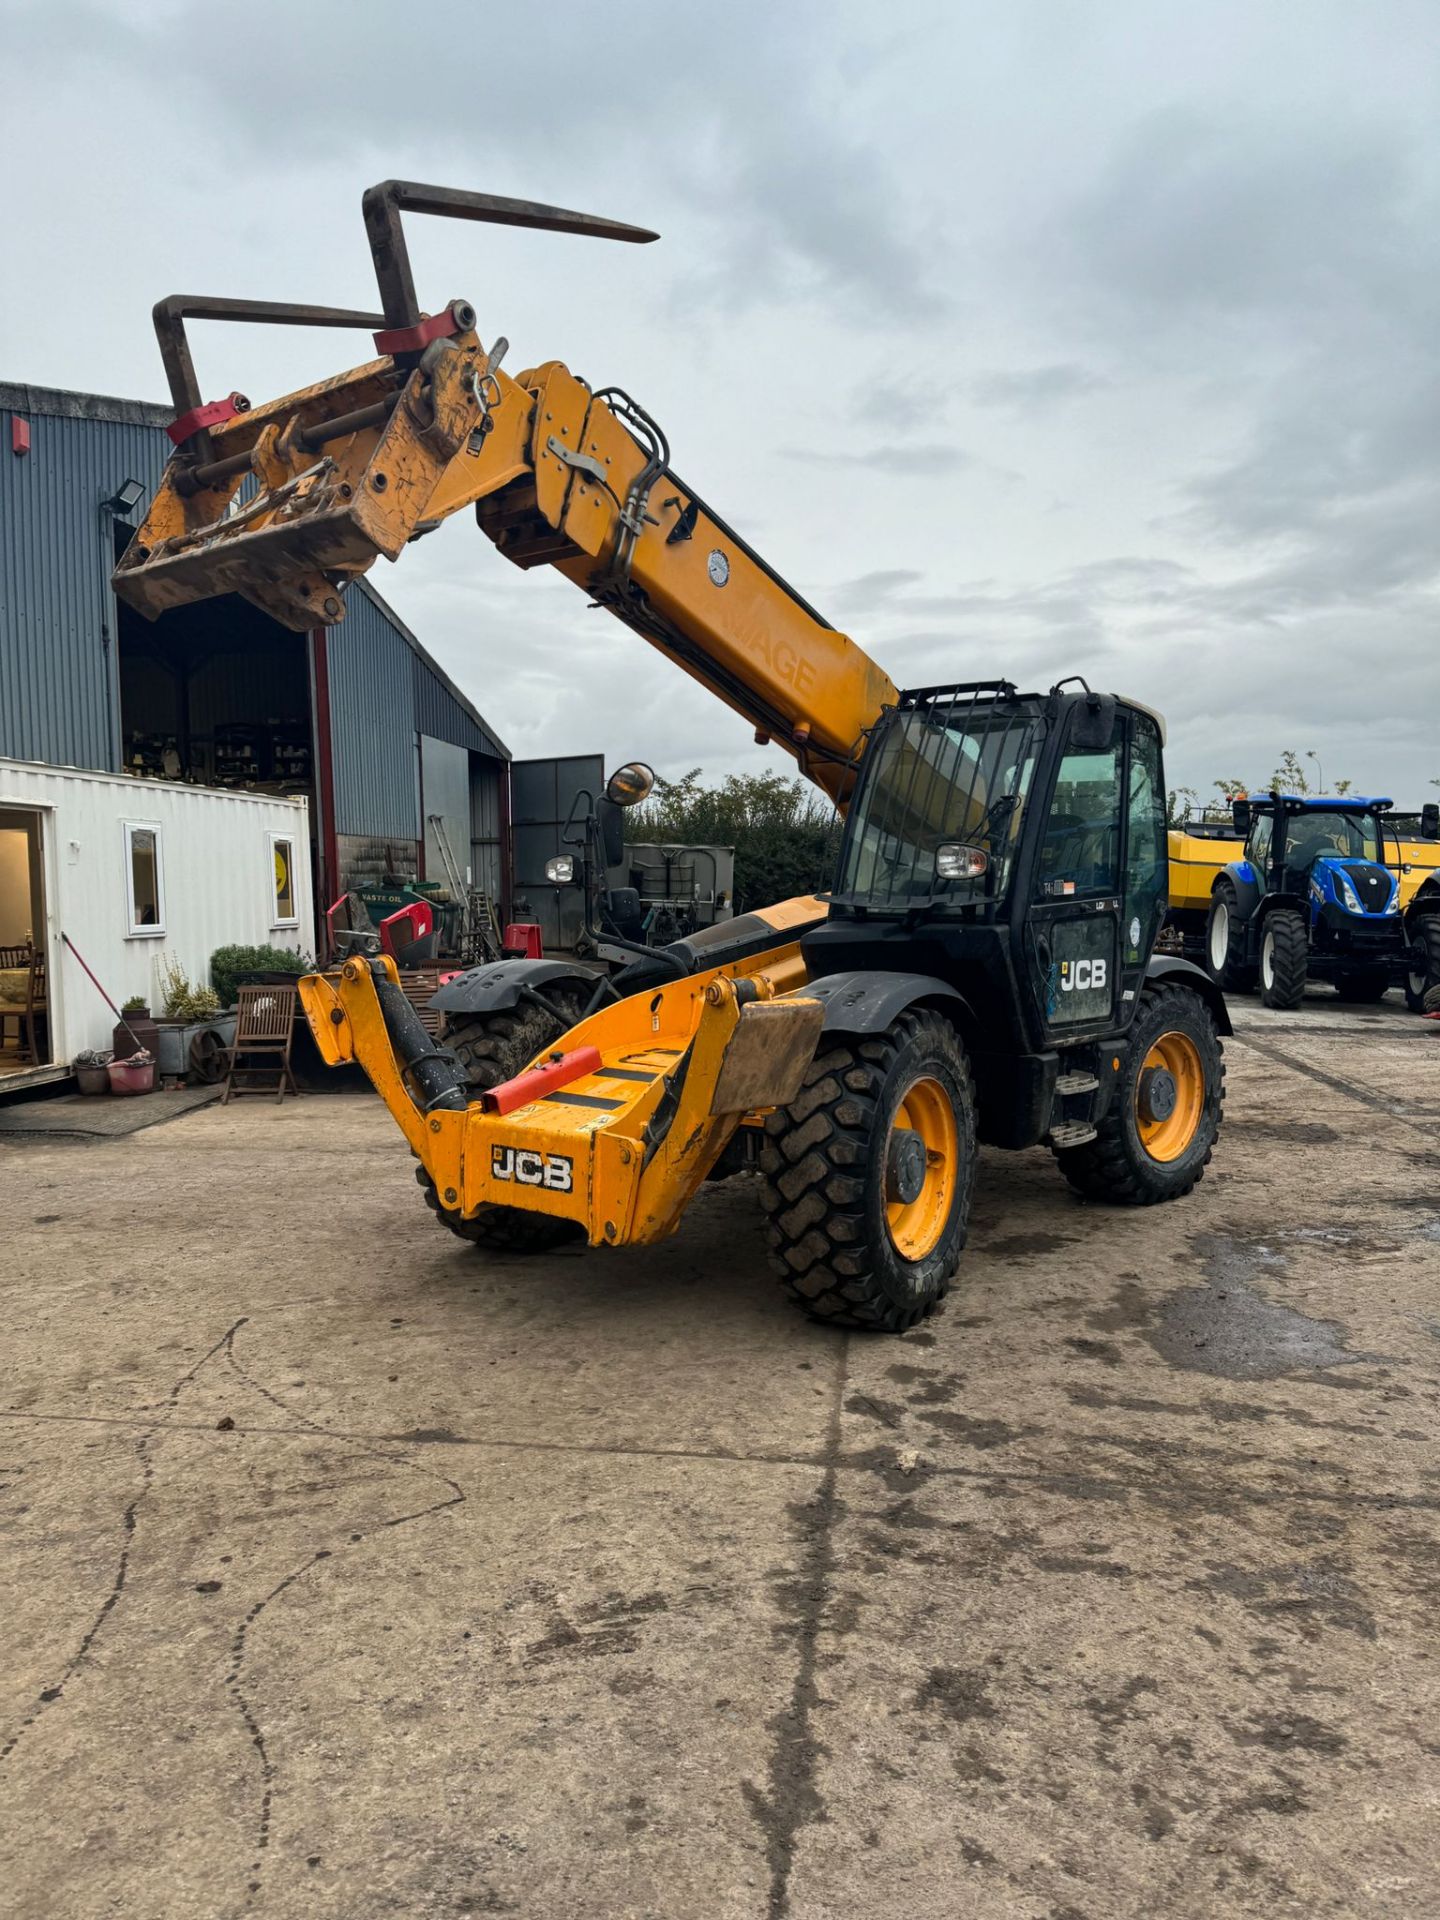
point(1033, 388)
point(902, 461)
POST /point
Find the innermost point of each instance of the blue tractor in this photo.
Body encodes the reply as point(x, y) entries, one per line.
point(1312, 899)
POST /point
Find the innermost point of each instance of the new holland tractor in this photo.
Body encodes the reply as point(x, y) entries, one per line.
point(1313, 897)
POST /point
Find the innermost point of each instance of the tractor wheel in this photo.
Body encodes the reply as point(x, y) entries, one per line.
point(1155, 1139)
point(868, 1175)
point(1362, 985)
point(492, 1047)
point(1225, 943)
point(1422, 979)
point(1284, 960)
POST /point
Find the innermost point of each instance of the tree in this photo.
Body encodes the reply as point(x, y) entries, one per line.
point(784, 835)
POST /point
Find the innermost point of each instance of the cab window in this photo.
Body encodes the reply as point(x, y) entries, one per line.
point(1258, 846)
point(1080, 851)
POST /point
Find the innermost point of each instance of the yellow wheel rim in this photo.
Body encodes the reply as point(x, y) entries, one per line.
point(916, 1225)
point(1166, 1138)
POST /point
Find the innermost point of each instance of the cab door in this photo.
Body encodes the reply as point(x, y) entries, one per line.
point(1074, 923)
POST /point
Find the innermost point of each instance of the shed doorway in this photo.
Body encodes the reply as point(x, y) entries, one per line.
point(25, 1040)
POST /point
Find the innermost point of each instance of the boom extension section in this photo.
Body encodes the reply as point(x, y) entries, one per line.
point(289, 502)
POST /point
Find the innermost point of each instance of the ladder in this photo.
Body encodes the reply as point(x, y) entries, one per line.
point(479, 929)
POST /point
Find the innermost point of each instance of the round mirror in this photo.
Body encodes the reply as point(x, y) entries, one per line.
point(630, 784)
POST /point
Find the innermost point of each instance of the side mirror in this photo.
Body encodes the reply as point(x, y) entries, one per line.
point(1240, 818)
point(630, 784)
point(610, 816)
point(1094, 725)
point(1430, 820)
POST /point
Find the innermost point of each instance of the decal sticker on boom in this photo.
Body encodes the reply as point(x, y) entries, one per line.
point(533, 1169)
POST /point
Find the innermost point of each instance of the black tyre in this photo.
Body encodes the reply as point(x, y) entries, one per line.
point(1156, 1138)
point(1423, 976)
point(1225, 943)
point(868, 1175)
point(1362, 985)
point(492, 1047)
point(1284, 959)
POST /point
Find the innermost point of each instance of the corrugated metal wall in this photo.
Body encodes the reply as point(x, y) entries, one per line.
point(59, 684)
point(445, 789)
point(372, 725)
point(486, 817)
point(58, 689)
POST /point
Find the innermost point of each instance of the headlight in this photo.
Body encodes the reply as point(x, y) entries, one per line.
point(960, 863)
point(561, 870)
point(1392, 905)
point(1352, 899)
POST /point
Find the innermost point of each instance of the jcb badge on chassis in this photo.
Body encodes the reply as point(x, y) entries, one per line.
point(532, 1169)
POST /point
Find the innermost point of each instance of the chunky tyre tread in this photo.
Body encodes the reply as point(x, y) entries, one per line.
point(824, 1234)
point(1236, 975)
point(492, 1047)
point(1110, 1167)
point(1286, 929)
point(1426, 934)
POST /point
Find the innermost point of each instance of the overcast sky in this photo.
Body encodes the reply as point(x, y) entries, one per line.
point(1026, 340)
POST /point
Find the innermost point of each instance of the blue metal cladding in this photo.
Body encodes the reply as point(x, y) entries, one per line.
point(372, 724)
point(59, 681)
point(59, 692)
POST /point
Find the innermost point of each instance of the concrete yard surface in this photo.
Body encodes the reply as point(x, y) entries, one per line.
point(348, 1572)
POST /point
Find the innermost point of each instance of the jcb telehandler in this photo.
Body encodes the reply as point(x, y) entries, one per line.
point(982, 970)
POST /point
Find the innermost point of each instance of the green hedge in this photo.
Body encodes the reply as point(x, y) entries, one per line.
point(228, 963)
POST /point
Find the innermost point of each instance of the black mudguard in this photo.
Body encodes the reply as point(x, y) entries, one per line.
point(866, 1002)
point(1184, 973)
point(505, 983)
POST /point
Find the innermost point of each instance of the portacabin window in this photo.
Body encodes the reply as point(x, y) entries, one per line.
point(282, 880)
point(144, 877)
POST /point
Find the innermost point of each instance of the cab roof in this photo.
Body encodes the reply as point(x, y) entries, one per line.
point(1314, 803)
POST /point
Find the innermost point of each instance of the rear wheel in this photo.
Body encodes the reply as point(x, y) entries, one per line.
point(1225, 943)
point(1284, 960)
point(1422, 978)
point(1360, 985)
point(492, 1047)
point(1159, 1131)
point(868, 1175)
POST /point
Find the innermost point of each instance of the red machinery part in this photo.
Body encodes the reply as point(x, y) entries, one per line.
point(412, 339)
point(558, 1071)
point(214, 413)
point(402, 931)
point(522, 940)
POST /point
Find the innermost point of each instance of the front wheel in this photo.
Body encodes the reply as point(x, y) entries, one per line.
point(1225, 943)
point(1284, 960)
point(1155, 1139)
point(868, 1175)
point(1422, 978)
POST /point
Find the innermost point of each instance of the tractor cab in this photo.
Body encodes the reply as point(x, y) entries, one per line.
point(1313, 897)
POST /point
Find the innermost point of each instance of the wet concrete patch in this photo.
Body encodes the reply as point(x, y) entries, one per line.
point(1228, 1328)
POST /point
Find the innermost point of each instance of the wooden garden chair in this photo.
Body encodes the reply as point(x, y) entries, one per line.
point(34, 1013)
point(264, 1027)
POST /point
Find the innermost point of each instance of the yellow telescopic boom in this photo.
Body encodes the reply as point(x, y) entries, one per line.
point(287, 503)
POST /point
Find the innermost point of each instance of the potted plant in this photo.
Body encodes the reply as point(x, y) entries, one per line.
point(136, 1030)
point(190, 1010)
point(90, 1072)
point(135, 1075)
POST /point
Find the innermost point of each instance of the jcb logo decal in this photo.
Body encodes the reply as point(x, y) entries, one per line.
point(530, 1169)
point(1076, 976)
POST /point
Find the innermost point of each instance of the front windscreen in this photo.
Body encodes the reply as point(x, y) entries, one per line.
point(942, 775)
point(1315, 832)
